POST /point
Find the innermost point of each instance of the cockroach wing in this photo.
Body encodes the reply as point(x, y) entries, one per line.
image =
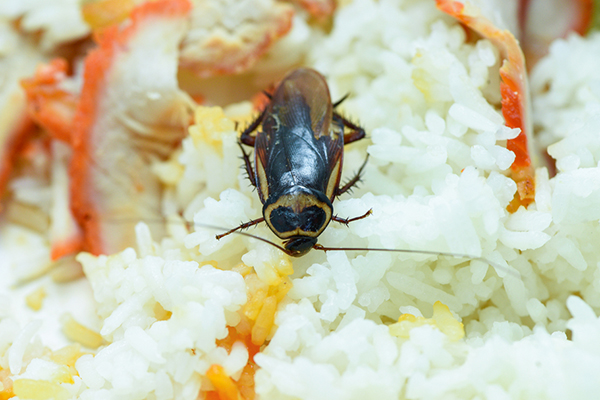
point(299, 146)
point(304, 89)
point(261, 165)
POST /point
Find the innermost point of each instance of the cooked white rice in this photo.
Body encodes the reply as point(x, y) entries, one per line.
point(436, 180)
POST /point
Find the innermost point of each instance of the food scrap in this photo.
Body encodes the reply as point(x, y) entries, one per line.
point(515, 94)
point(123, 120)
point(442, 319)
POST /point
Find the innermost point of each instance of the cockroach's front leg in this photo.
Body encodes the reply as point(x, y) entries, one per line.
point(346, 221)
point(242, 226)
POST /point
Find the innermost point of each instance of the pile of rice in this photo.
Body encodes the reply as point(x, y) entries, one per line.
point(351, 325)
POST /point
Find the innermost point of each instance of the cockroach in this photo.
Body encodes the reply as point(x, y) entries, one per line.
point(298, 146)
point(298, 142)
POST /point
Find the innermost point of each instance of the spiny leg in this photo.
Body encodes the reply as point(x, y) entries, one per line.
point(346, 221)
point(249, 140)
point(246, 136)
point(242, 226)
point(340, 101)
point(356, 133)
point(352, 181)
point(248, 166)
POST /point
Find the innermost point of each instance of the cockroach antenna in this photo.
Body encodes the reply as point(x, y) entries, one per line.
point(237, 231)
point(406, 251)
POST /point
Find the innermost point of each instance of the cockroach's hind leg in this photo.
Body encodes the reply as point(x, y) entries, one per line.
point(346, 221)
point(248, 166)
point(245, 225)
point(352, 182)
point(246, 137)
point(357, 132)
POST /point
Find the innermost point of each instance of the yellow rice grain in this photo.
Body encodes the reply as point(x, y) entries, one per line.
point(81, 334)
point(253, 307)
point(264, 321)
point(28, 216)
point(210, 123)
point(442, 319)
point(67, 355)
point(39, 390)
point(67, 269)
point(35, 299)
point(160, 313)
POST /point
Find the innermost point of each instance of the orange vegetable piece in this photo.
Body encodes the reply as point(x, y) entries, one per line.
point(226, 388)
point(51, 107)
point(514, 93)
point(110, 176)
point(264, 321)
point(318, 8)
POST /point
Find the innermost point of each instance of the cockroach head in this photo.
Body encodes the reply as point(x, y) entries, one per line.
point(298, 246)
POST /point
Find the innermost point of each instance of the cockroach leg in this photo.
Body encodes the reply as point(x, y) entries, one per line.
point(356, 133)
point(242, 226)
point(346, 221)
point(248, 166)
point(246, 136)
point(340, 101)
point(352, 181)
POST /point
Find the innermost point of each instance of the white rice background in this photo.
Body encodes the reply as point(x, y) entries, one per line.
point(436, 180)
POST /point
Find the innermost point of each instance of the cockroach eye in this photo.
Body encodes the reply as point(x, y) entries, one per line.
point(313, 219)
point(284, 219)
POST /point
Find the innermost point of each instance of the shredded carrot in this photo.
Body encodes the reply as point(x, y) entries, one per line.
point(256, 322)
point(514, 93)
point(319, 9)
point(53, 108)
point(245, 384)
point(63, 248)
point(212, 395)
point(264, 321)
point(226, 388)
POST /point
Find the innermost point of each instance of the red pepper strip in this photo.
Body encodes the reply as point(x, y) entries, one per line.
point(514, 93)
point(53, 108)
